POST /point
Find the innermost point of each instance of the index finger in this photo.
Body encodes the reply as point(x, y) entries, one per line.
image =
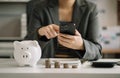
point(76, 32)
point(55, 27)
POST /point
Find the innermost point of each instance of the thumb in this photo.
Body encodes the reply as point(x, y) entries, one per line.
point(77, 33)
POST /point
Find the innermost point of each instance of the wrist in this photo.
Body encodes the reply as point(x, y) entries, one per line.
point(82, 46)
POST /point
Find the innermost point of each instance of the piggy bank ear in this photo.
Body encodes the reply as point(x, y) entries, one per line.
point(16, 43)
point(35, 43)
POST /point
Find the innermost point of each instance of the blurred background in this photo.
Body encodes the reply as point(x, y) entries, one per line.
point(13, 22)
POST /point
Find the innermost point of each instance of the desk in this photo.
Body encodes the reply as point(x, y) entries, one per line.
point(9, 69)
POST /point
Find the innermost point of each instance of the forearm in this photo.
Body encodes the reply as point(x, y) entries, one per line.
point(92, 50)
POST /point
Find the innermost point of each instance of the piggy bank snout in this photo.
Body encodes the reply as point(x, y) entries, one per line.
point(26, 55)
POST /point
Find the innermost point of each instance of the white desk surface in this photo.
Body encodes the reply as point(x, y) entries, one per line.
point(10, 69)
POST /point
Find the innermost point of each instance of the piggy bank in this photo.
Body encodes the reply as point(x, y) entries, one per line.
point(27, 53)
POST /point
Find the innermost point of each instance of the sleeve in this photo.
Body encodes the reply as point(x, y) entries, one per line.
point(91, 42)
point(34, 24)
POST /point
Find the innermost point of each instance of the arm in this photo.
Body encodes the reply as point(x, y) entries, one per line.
point(92, 47)
point(37, 30)
point(32, 29)
point(88, 47)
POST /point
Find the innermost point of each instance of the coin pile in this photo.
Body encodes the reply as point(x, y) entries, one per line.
point(65, 65)
point(47, 64)
point(57, 64)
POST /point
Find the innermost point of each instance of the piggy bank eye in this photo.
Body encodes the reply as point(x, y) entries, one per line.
point(22, 48)
point(27, 48)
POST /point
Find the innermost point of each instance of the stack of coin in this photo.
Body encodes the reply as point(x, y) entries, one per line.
point(65, 65)
point(57, 64)
point(74, 66)
point(47, 63)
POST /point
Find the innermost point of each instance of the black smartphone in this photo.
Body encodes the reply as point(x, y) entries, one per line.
point(68, 28)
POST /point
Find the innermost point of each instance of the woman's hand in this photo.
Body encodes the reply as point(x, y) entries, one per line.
point(49, 31)
point(71, 41)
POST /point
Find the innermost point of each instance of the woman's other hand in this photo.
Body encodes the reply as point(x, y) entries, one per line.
point(71, 41)
point(49, 31)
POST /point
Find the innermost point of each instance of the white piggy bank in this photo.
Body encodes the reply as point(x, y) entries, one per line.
point(27, 52)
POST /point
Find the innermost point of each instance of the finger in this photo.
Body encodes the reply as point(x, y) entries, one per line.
point(77, 33)
point(53, 32)
point(65, 40)
point(48, 33)
point(65, 44)
point(55, 27)
point(66, 36)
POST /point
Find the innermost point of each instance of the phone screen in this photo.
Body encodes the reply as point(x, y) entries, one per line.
point(68, 29)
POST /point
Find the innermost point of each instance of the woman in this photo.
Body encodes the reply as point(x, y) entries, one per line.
point(45, 24)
